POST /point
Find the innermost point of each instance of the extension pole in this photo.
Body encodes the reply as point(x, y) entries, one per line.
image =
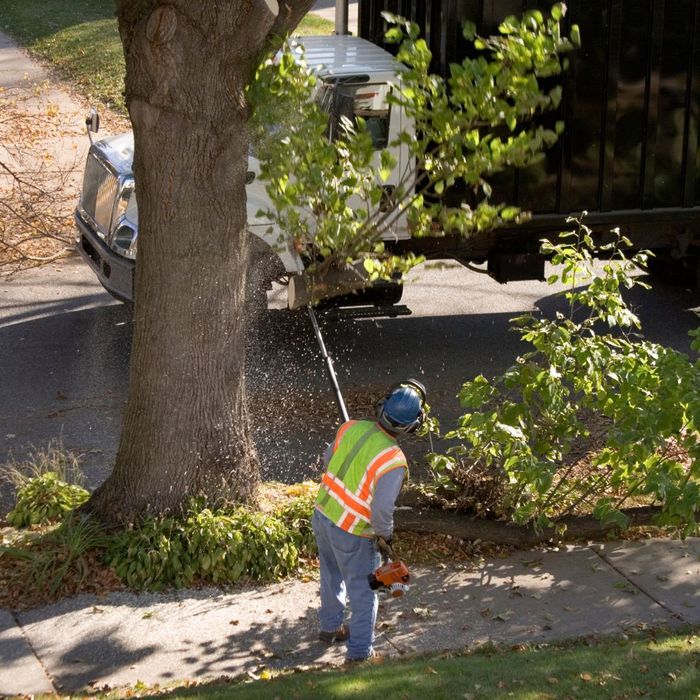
point(329, 366)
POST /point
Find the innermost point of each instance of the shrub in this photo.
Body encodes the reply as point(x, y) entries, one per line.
point(296, 515)
point(45, 499)
point(524, 424)
point(217, 546)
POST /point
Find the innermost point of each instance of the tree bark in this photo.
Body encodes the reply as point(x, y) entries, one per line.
point(186, 427)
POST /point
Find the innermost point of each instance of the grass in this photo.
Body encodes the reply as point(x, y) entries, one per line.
point(664, 666)
point(80, 39)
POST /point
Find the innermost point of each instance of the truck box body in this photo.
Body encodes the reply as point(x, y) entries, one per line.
point(629, 154)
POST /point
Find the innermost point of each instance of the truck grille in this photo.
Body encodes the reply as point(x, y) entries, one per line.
point(100, 187)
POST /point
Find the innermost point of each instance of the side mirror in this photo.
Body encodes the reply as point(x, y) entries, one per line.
point(92, 122)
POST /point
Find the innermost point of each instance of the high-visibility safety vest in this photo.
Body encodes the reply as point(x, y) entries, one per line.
point(362, 453)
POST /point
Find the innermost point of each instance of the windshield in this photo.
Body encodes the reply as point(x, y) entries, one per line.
point(354, 98)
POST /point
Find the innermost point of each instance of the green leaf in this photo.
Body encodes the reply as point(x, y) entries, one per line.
point(469, 30)
point(509, 213)
point(575, 35)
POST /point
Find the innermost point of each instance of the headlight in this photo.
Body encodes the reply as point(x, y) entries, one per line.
point(124, 241)
point(122, 204)
point(124, 228)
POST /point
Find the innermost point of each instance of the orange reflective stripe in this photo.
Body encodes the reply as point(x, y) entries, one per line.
point(377, 463)
point(345, 497)
point(347, 522)
point(341, 431)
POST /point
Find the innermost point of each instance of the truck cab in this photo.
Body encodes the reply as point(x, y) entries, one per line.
point(355, 79)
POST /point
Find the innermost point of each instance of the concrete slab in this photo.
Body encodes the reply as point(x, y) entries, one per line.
point(666, 570)
point(88, 642)
point(533, 596)
point(20, 670)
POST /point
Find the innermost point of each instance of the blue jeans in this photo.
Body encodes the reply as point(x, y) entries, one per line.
point(346, 561)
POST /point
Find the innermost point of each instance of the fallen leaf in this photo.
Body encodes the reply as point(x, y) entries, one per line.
point(552, 680)
point(147, 616)
point(233, 622)
point(422, 612)
point(504, 616)
point(569, 608)
point(587, 677)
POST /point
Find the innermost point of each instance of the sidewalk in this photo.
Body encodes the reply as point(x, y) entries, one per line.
point(535, 596)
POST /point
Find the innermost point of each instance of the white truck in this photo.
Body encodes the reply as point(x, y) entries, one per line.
point(355, 78)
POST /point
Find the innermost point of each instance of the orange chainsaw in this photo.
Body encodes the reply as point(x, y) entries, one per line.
point(392, 577)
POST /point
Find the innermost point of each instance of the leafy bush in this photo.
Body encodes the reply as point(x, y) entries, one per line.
point(44, 499)
point(296, 515)
point(215, 546)
point(524, 424)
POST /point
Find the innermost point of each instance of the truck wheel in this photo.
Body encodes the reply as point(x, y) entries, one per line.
point(379, 294)
point(385, 293)
point(664, 268)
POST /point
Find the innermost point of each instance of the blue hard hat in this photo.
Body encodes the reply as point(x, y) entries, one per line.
point(402, 408)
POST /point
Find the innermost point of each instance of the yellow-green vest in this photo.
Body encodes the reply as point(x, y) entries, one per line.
point(362, 453)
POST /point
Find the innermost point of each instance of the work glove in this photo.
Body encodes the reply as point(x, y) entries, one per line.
point(384, 546)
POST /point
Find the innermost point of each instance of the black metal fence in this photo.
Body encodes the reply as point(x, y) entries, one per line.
point(631, 102)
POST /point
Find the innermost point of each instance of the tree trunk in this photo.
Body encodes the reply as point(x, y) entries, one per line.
point(186, 429)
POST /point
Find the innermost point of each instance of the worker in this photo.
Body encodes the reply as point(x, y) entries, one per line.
point(365, 469)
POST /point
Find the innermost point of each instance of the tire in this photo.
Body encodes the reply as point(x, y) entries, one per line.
point(379, 294)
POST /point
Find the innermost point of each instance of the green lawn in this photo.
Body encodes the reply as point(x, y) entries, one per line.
point(80, 38)
point(667, 666)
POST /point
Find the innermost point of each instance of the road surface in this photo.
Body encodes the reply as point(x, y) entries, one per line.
point(64, 349)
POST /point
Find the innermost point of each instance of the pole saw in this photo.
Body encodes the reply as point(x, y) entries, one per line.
point(392, 577)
